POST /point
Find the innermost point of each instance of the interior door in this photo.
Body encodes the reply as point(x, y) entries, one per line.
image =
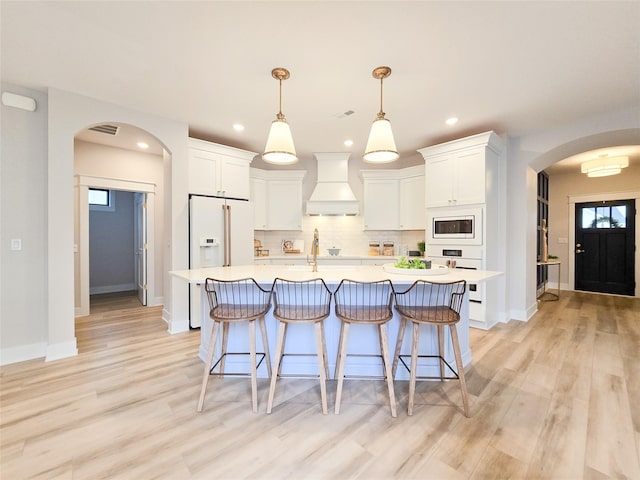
point(605, 247)
point(140, 236)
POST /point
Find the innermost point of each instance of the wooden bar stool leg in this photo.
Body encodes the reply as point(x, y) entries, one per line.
point(321, 365)
point(399, 340)
point(414, 366)
point(335, 372)
point(276, 368)
point(254, 373)
point(441, 350)
point(460, 368)
point(265, 345)
point(384, 342)
point(324, 351)
point(284, 342)
point(342, 355)
point(225, 340)
point(207, 364)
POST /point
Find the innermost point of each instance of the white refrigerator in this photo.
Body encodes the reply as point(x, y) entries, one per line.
point(220, 235)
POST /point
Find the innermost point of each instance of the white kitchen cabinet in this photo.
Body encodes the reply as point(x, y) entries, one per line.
point(465, 176)
point(381, 202)
point(394, 199)
point(218, 170)
point(284, 205)
point(412, 199)
point(277, 198)
point(456, 178)
point(259, 200)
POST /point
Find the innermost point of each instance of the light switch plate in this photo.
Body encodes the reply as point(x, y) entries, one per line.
point(563, 240)
point(16, 244)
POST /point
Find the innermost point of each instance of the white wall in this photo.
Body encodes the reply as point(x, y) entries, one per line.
point(42, 323)
point(23, 215)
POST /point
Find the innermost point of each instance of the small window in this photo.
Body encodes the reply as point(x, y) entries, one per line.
point(102, 199)
point(99, 197)
point(605, 217)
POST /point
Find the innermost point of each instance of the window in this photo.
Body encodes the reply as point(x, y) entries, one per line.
point(98, 196)
point(614, 216)
point(102, 199)
point(543, 213)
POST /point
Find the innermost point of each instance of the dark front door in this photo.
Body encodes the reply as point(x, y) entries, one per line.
point(605, 247)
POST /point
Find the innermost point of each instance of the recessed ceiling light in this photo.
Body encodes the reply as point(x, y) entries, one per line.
point(237, 127)
point(143, 145)
point(451, 121)
point(348, 143)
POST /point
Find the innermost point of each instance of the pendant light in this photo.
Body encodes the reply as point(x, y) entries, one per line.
point(279, 149)
point(381, 147)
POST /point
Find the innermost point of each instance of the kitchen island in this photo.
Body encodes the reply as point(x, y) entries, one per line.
point(300, 338)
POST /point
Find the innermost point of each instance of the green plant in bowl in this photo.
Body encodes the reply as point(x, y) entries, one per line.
point(415, 263)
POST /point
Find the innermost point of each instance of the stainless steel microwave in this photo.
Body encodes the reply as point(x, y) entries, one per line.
point(460, 227)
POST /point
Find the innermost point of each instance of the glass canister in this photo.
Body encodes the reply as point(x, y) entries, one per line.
point(374, 248)
point(388, 249)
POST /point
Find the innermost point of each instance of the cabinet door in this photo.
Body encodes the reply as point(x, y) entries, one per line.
point(439, 172)
point(469, 177)
point(234, 178)
point(412, 203)
point(381, 204)
point(259, 200)
point(284, 205)
point(204, 176)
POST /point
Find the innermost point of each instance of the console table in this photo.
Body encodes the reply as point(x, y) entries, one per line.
point(554, 296)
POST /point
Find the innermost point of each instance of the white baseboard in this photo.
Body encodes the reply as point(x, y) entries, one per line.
point(60, 350)
point(23, 353)
point(124, 287)
point(155, 301)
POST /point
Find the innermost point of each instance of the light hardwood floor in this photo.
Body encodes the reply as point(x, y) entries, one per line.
point(556, 397)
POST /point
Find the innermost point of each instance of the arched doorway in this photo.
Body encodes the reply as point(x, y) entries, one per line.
point(570, 189)
point(130, 163)
point(69, 113)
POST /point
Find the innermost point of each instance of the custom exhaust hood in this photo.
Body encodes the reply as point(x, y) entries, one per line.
point(333, 195)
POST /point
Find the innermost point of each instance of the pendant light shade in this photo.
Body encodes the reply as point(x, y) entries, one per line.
point(279, 149)
point(381, 146)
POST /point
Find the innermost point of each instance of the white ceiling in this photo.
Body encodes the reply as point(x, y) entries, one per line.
point(513, 67)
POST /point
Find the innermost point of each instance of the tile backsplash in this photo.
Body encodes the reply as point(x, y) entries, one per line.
point(345, 233)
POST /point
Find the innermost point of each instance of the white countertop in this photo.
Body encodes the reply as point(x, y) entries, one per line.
point(332, 274)
point(290, 256)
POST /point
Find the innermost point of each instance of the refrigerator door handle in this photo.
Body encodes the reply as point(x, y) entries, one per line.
point(226, 215)
point(228, 241)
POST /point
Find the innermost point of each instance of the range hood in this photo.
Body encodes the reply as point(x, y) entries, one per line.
point(333, 195)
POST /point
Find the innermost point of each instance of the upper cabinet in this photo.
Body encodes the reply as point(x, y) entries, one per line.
point(394, 199)
point(412, 199)
point(219, 170)
point(460, 172)
point(277, 199)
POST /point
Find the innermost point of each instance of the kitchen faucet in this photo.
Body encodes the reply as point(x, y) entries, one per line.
point(315, 248)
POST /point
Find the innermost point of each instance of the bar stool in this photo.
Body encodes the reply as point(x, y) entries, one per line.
point(364, 303)
point(233, 301)
point(307, 301)
point(427, 303)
